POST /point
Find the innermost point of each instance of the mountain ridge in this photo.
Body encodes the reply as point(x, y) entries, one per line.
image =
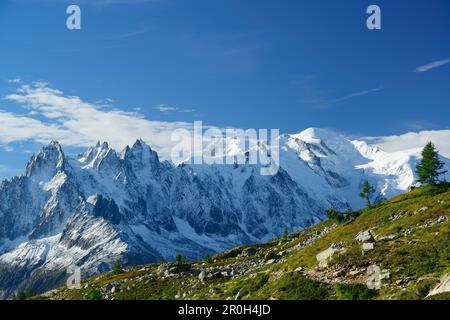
point(395, 250)
point(141, 209)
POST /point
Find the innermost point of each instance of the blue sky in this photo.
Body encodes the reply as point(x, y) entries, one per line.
point(242, 63)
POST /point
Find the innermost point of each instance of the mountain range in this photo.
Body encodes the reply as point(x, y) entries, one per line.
point(104, 206)
point(398, 249)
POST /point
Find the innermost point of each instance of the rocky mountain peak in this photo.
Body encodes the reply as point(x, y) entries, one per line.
point(141, 156)
point(48, 160)
point(99, 156)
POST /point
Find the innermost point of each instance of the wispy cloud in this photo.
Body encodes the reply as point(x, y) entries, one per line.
point(126, 35)
point(419, 124)
point(229, 52)
point(6, 148)
point(168, 108)
point(104, 2)
point(322, 99)
point(358, 94)
point(74, 122)
point(6, 171)
point(432, 65)
point(413, 140)
point(84, 49)
point(315, 96)
point(15, 80)
point(3, 169)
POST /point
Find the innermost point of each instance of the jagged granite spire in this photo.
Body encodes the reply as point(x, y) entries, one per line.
point(49, 159)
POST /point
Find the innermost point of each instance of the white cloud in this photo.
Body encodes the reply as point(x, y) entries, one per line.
point(358, 94)
point(52, 115)
point(169, 108)
point(412, 140)
point(432, 65)
point(165, 108)
point(321, 99)
point(15, 80)
point(6, 172)
point(126, 35)
point(74, 122)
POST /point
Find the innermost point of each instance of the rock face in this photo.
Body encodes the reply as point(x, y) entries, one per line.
point(104, 206)
point(367, 246)
point(174, 268)
point(247, 252)
point(324, 257)
point(443, 286)
point(107, 206)
point(202, 276)
point(365, 236)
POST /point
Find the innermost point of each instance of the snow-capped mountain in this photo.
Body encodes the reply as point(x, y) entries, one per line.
point(104, 206)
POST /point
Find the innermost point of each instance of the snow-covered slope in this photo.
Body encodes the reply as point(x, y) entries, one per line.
point(105, 205)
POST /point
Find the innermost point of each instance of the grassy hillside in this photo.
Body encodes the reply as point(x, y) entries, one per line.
point(407, 238)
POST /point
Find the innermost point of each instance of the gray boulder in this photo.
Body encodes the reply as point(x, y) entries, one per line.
point(248, 252)
point(365, 236)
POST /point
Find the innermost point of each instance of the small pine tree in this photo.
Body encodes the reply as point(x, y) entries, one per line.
point(20, 295)
point(367, 192)
point(208, 258)
point(335, 215)
point(30, 292)
point(429, 168)
point(286, 234)
point(180, 258)
point(23, 295)
point(331, 213)
point(93, 294)
point(117, 268)
point(341, 217)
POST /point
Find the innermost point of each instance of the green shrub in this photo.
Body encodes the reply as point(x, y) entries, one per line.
point(117, 268)
point(180, 258)
point(249, 286)
point(208, 258)
point(438, 189)
point(93, 294)
point(20, 296)
point(355, 291)
point(23, 295)
point(440, 296)
point(285, 235)
point(294, 286)
point(424, 287)
point(341, 217)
